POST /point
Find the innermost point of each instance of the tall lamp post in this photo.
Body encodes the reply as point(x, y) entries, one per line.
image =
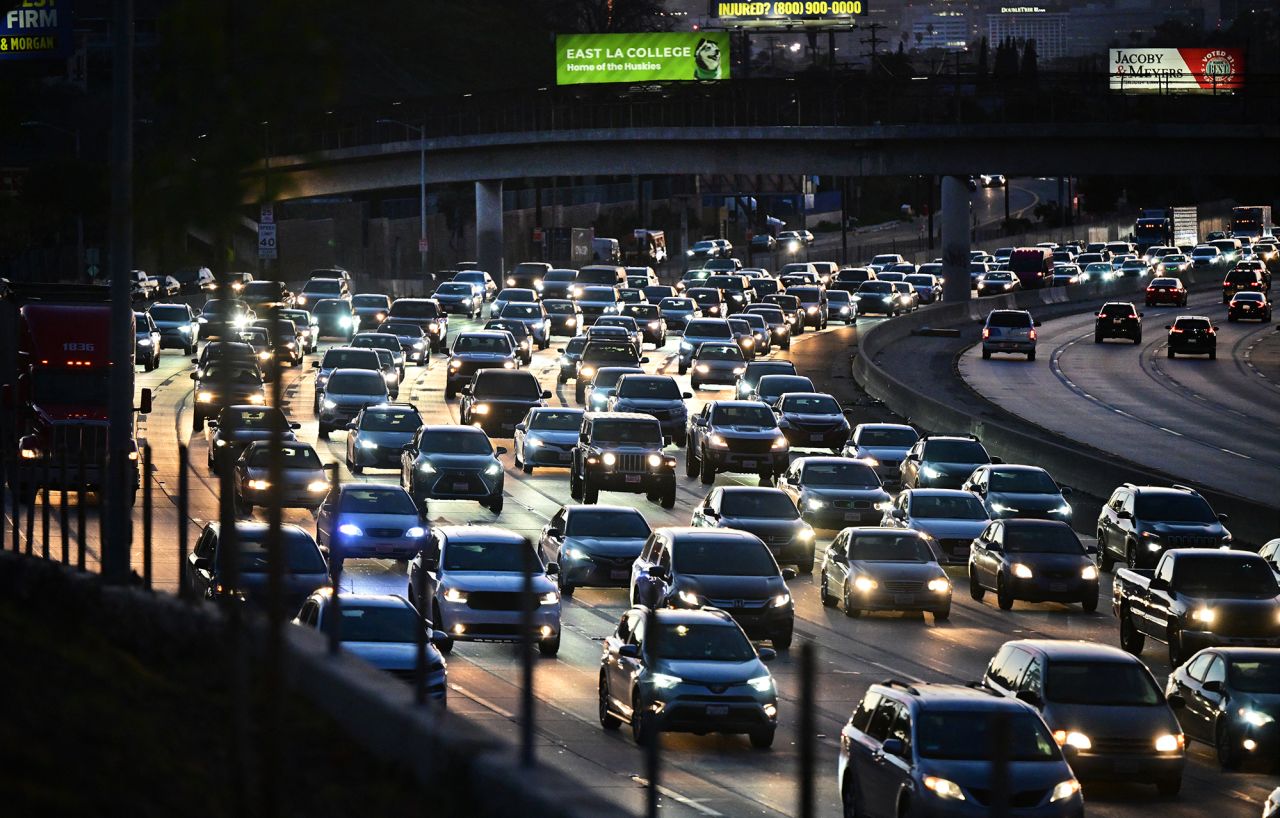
point(74, 133)
point(422, 187)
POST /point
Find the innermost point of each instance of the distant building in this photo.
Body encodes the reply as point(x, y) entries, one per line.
point(1048, 28)
point(945, 30)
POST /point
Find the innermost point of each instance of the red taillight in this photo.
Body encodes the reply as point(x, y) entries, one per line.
point(1174, 331)
point(1032, 335)
point(1151, 289)
point(986, 333)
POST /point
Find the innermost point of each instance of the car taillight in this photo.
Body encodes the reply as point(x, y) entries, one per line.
point(1174, 331)
point(986, 333)
point(1151, 289)
point(1032, 335)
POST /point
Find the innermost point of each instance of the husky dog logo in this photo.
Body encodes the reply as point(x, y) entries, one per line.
point(706, 60)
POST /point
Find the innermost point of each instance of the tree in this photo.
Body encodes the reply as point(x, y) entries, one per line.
point(603, 16)
point(1029, 67)
point(984, 57)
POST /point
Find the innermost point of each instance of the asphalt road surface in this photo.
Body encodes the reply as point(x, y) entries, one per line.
point(1212, 421)
point(702, 776)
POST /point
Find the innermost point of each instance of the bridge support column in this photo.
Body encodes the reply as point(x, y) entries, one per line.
point(955, 239)
point(489, 239)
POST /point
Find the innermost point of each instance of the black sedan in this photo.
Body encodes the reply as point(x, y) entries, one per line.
point(1034, 560)
point(1232, 698)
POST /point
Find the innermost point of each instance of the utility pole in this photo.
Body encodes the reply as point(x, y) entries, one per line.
point(118, 544)
point(874, 41)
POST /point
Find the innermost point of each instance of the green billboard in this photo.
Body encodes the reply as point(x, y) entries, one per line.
point(677, 55)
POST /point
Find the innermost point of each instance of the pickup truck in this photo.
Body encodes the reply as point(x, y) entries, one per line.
point(1198, 598)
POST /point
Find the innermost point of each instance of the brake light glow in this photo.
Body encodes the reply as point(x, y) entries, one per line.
point(1032, 335)
point(986, 333)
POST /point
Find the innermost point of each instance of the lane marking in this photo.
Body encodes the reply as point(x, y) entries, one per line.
point(695, 803)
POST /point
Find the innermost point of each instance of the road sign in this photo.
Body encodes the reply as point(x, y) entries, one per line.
point(267, 241)
point(268, 214)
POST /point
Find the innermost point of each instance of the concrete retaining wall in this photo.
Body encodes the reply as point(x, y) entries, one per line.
point(1086, 469)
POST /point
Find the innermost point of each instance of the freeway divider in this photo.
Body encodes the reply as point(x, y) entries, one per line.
point(1072, 463)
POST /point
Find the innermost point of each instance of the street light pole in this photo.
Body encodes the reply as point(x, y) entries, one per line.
point(74, 133)
point(422, 187)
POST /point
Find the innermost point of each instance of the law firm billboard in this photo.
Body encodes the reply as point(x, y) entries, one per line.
point(1176, 70)
point(35, 29)
point(663, 56)
point(754, 11)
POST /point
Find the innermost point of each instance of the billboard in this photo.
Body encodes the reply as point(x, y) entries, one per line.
point(36, 29)
point(1176, 70)
point(651, 57)
point(757, 10)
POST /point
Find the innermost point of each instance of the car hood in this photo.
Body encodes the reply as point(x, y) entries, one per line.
point(763, 527)
point(898, 571)
point(943, 528)
point(1112, 721)
point(495, 581)
point(607, 546)
point(1023, 775)
point(1049, 562)
point(481, 357)
point(1026, 502)
point(290, 477)
point(458, 461)
point(370, 520)
point(354, 399)
point(952, 468)
point(746, 431)
point(716, 586)
point(393, 655)
point(162, 325)
point(388, 439)
point(698, 670)
point(875, 495)
point(642, 404)
point(552, 436)
point(884, 452)
point(805, 417)
point(1213, 529)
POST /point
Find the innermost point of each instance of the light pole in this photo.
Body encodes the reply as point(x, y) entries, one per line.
point(422, 188)
point(74, 133)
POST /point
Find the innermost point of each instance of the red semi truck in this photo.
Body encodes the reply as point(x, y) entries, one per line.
point(59, 387)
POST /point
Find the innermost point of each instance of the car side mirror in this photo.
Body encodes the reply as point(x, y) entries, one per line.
point(789, 573)
point(1168, 326)
point(553, 568)
point(195, 361)
point(1037, 323)
point(893, 747)
point(997, 461)
point(500, 451)
point(295, 425)
point(1141, 314)
point(144, 402)
point(1175, 701)
point(686, 395)
point(1091, 550)
point(1159, 584)
point(430, 563)
point(1030, 697)
point(1213, 686)
point(546, 394)
point(898, 514)
point(520, 427)
point(466, 389)
point(439, 638)
point(629, 652)
point(767, 654)
point(195, 376)
point(555, 532)
point(212, 424)
point(658, 572)
point(315, 364)
point(1124, 514)
point(1224, 518)
point(1065, 491)
point(201, 563)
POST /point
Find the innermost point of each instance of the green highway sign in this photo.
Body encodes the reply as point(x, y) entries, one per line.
point(651, 57)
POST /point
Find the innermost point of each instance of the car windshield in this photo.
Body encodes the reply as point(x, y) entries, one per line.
point(516, 328)
point(222, 373)
point(811, 404)
point(846, 474)
point(349, 358)
point(300, 553)
point(775, 385)
point(955, 451)
point(730, 557)
point(1174, 507)
point(1118, 310)
point(598, 294)
point(140, 324)
point(1025, 481)
point(291, 457)
point(559, 275)
point(1008, 318)
point(503, 384)
point(315, 287)
point(947, 507)
point(603, 351)
point(267, 288)
point(709, 329)
point(889, 548)
point(1248, 575)
point(636, 431)
point(170, 314)
point(771, 316)
point(333, 306)
point(457, 441)
point(649, 388)
point(607, 523)
point(454, 288)
point(555, 307)
point(493, 344)
point(770, 503)
point(877, 287)
point(357, 383)
point(1054, 538)
point(554, 420)
point(704, 643)
point(506, 557)
point(374, 301)
point(1113, 684)
point(743, 415)
point(967, 735)
point(720, 352)
point(676, 304)
point(389, 420)
point(373, 623)
point(606, 378)
point(515, 296)
point(415, 309)
point(222, 306)
point(381, 341)
point(296, 316)
point(376, 500)
point(1255, 675)
point(901, 438)
point(756, 371)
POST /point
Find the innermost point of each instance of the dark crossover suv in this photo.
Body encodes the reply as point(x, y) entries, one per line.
point(497, 399)
point(1192, 335)
point(1138, 523)
point(735, 436)
point(1117, 319)
point(622, 451)
point(942, 462)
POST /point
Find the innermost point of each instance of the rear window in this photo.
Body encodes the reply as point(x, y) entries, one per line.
point(709, 329)
point(1118, 310)
point(733, 557)
point(1009, 318)
point(955, 451)
point(350, 359)
point(1192, 323)
point(291, 457)
point(416, 309)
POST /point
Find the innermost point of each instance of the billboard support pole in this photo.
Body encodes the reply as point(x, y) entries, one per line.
point(955, 239)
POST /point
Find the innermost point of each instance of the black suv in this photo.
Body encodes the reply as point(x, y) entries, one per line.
point(1117, 319)
point(1139, 523)
point(942, 462)
point(736, 436)
point(622, 451)
point(603, 353)
point(497, 399)
point(1193, 335)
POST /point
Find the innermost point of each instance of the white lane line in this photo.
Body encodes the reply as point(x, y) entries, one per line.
point(1170, 431)
point(483, 702)
point(1237, 454)
point(695, 803)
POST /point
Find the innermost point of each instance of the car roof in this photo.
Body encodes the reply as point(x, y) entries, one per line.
point(1014, 468)
point(593, 416)
point(540, 409)
point(828, 460)
point(918, 492)
point(950, 697)
point(582, 507)
point(453, 428)
point(803, 394)
point(485, 533)
point(1073, 650)
point(687, 533)
point(730, 490)
point(1026, 522)
point(737, 404)
point(686, 616)
point(1247, 653)
point(366, 600)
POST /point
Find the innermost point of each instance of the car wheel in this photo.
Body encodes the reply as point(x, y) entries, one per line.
point(1031, 356)
point(850, 610)
point(849, 799)
point(579, 391)
point(1225, 747)
point(1177, 653)
point(706, 472)
point(1131, 639)
point(607, 720)
point(1090, 602)
point(1172, 354)
point(575, 486)
point(691, 463)
point(324, 432)
point(680, 438)
point(762, 739)
point(1004, 596)
point(828, 601)
point(942, 614)
point(550, 647)
point(1097, 337)
point(1213, 356)
point(976, 591)
point(1131, 557)
point(1169, 787)
point(590, 493)
point(1137, 339)
point(986, 354)
point(438, 622)
point(644, 727)
point(495, 504)
point(668, 499)
point(782, 638)
point(805, 566)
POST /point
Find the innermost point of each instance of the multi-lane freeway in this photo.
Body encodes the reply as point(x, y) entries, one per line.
point(703, 776)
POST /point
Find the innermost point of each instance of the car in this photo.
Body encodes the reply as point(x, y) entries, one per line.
point(341, 358)
point(347, 392)
point(723, 568)
point(998, 283)
point(654, 293)
point(223, 384)
point(927, 285)
point(512, 295)
point(735, 291)
point(915, 749)
point(884, 569)
point(412, 343)
point(1008, 491)
point(840, 306)
point(908, 297)
point(641, 277)
point(768, 513)
point(949, 518)
point(527, 275)
point(1245, 276)
point(195, 279)
point(302, 479)
point(533, 315)
point(563, 315)
point(320, 289)
point(369, 521)
point(942, 461)
point(849, 279)
point(790, 306)
point(1035, 560)
point(146, 341)
point(1117, 319)
point(595, 301)
point(1192, 335)
point(283, 339)
point(765, 285)
point(1064, 275)
point(259, 340)
point(431, 319)
point(383, 342)
point(724, 265)
point(1249, 305)
point(224, 318)
point(378, 435)
point(546, 437)
point(1134, 267)
point(702, 250)
point(556, 283)
point(763, 243)
point(308, 331)
point(759, 332)
point(735, 436)
point(177, 324)
point(716, 363)
point(625, 322)
point(770, 387)
point(237, 426)
point(1232, 703)
point(649, 318)
point(570, 356)
point(813, 303)
point(604, 383)
point(1009, 331)
point(335, 318)
point(382, 630)
point(459, 297)
point(232, 283)
point(805, 278)
point(1206, 255)
point(476, 351)
point(594, 545)
point(598, 353)
point(227, 352)
point(777, 322)
point(1166, 290)
point(878, 297)
point(693, 278)
point(832, 492)
point(1138, 523)
point(655, 395)
point(710, 301)
point(496, 400)
point(811, 420)
point(882, 446)
point(1175, 264)
point(519, 333)
point(1102, 703)
point(619, 451)
point(884, 261)
point(686, 671)
point(755, 370)
point(481, 283)
point(630, 295)
point(475, 577)
point(1096, 272)
point(445, 462)
point(792, 241)
point(677, 312)
point(265, 295)
point(303, 566)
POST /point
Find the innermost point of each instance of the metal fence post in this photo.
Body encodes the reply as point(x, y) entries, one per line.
point(420, 659)
point(63, 523)
point(652, 750)
point(808, 728)
point(80, 521)
point(183, 489)
point(335, 577)
point(30, 491)
point(15, 489)
point(528, 601)
point(44, 514)
point(146, 515)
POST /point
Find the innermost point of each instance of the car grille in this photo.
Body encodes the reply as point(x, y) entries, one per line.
point(500, 601)
point(1122, 746)
point(776, 541)
point(1246, 624)
point(715, 699)
point(749, 445)
point(1059, 576)
point(630, 463)
point(660, 414)
point(1022, 799)
point(70, 440)
point(903, 587)
point(612, 563)
point(955, 547)
point(384, 533)
point(445, 483)
point(1189, 541)
point(858, 504)
point(889, 464)
point(736, 605)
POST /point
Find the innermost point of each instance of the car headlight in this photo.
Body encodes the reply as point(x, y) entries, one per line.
point(738, 370)
point(549, 598)
point(493, 470)
point(805, 534)
point(480, 409)
point(144, 342)
point(454, 595)
point(1021, 571)
point(414, 532)
point(689, 598)
point(944, 789)
point(329, 404)
point(665, 681)
point(188, 329)
point(780, 600)
point(685, 346)
point(717, 441)
point(317, 486)
point(1169, 743)
point(939, 586)
point(1062, 509)
point(466, 302)
point(301, 299)
point(1065, 789)
point(761, 684)
point(779, 442)
point(587, 371)
point(1089, 572)
point(609, 458)
point(1205, 615)
point(655, 460)
point(427, 468)
point(367, 444)
point(257, 398)
point(814, 504)
point(1001, 508)
point(205, 397)
point(350, 530)
point(259, 485)
point(264, 355)
point(930, 472)
point(652, 324)
point(576, 554)
point(703, 368)
point(571, 322)
point(344, 321)
point(865, 584)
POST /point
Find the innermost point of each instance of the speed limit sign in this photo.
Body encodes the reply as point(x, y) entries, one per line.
point(267, 241)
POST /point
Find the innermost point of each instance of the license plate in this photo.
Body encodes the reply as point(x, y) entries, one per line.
point(461, 486)
point(852, 515)
point(717, 710)
point(632, 478)
point(1117, 321)
point(904, 599)
point(565, 457)
point(1057, 587)
point(620, 573)
point(816, 438)
point(748, 464)
point(383, 548)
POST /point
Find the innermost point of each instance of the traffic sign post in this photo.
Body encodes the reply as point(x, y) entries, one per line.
point(267, 241)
